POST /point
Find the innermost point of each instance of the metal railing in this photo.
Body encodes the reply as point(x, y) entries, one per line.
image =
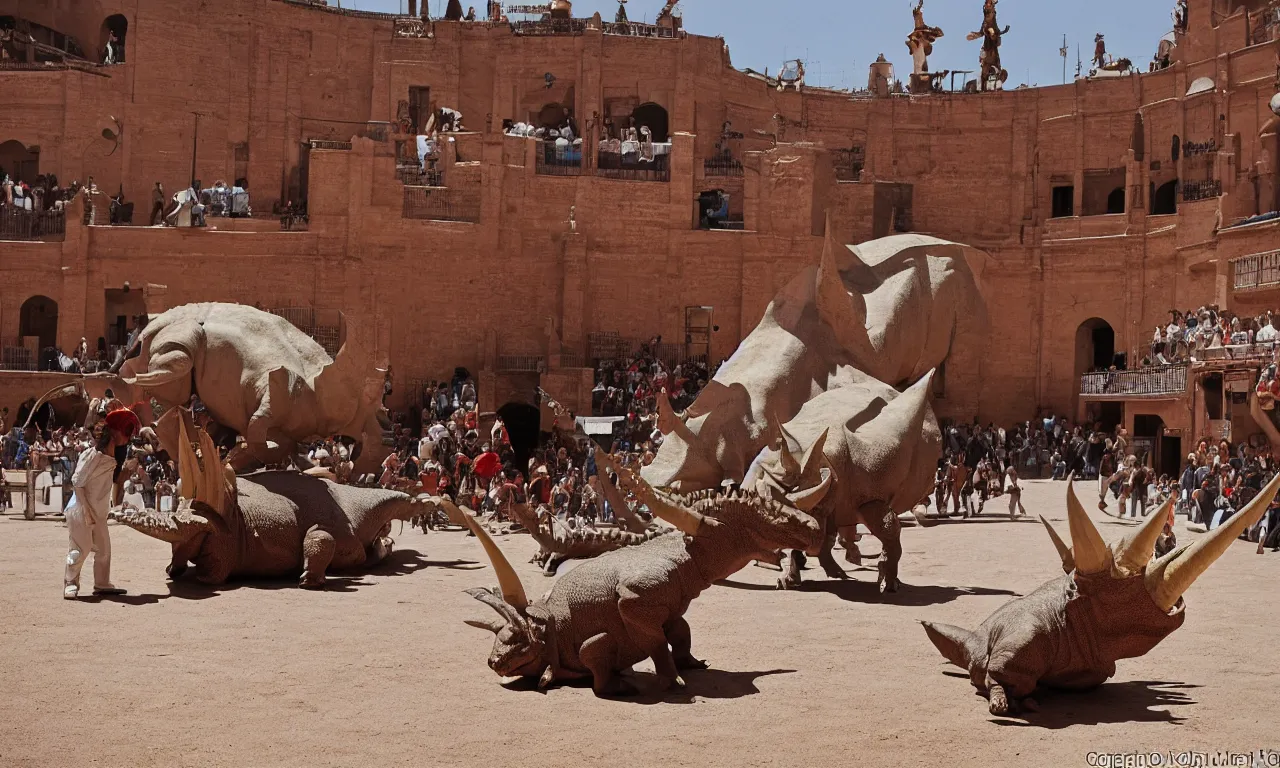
point(17, 359)
point(630, 29)
point(25, 225)
point(1144, 382)
point(324, 326)
point(610, 165)
point(1265, 350)
point(572, 358)
point(721, 165)
point(1257, 270)
point(413, 176)
point(1201, 190)
point(549, 27)
point(523, 363)
point(553, 160)
point(441, 204)
point(609, 345)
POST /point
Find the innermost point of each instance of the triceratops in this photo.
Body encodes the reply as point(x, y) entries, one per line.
point(891, 309)
point(1114, 603)
point(628, 605)
point(258, 375)
point(882, 449)
point(270, 523)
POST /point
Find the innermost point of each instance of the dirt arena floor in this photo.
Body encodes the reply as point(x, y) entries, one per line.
point(380, 670)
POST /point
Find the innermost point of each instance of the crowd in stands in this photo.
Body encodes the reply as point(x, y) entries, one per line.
point(43, 193)
point(1188, 334)
point(1216, 481)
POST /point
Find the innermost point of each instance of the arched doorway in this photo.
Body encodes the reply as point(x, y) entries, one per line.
point(523, 425)
point(1164, 199)
point(20, 162)
point(552, 116)
point(1115, 201)
point(114, 31)
point(39, 318)
point(654, 117)
point(1095, 346)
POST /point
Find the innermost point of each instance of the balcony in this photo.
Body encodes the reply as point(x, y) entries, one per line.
point(722, 166)
point(1158, 382)
point(521, 363)
point(414, 176)
point(24, 225)
point(549, 27)
point(633, 167)
point(441, 204)
point(554, 159)
point(848, 163)
point(1257, 271)
point(1201, 190)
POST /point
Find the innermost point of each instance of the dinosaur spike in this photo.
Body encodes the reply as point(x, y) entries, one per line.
point(508, 581)
point(1064, 552)
point(1132, 553)
point(212, 490)
point(1091, 553)
point(810, 471)
point(955, 644)
point(1173, 574)
point(683, 518)
point(188, 467)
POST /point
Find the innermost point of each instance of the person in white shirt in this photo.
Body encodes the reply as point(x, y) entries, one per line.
point(96, 477)
point(1014, 490)
point(426, 448)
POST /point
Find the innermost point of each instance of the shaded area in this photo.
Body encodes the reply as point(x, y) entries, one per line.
point(1128, 702)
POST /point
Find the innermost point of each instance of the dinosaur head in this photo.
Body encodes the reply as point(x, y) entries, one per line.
point(1117, 601)
point(520, 647)
point(176, 527)
point(799, 480)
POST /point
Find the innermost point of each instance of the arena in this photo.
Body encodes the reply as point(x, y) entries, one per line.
point(382, 669)
point(726, 418)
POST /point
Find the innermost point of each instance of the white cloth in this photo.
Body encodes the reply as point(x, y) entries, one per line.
point(437, 431)
point(426, 448)
point(87, 518)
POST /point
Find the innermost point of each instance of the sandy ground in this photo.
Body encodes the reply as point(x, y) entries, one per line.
point(381, 670)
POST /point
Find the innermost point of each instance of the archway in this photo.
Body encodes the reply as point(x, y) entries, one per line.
point(113, 49)
point(654, 116)
point(1164, 199)
point(39, 318)
point(1095, 346)
point(21, 163)
point(1115, 201)
point(523, 423)
point(551, 116)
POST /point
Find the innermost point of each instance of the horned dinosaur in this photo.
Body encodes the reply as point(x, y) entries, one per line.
point(889, 311)
point(559, 542)
point(882, 449)
point(258, 375)
point(628, 605)
point(269, 523)
point(1115, 602)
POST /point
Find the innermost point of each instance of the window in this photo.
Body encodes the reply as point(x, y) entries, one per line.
point(1064, 202)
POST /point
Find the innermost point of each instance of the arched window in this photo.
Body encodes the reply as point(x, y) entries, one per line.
point(114, 31)
point(1164, 199)
point(654, 117)
point(39, 318)
point(1115, 201)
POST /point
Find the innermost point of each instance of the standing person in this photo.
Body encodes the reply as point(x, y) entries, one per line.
point(96, 477)
point(1014, 490)
point(157, 205)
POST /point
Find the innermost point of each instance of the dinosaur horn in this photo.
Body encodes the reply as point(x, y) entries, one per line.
point(790, 467)
point(188, 465)
point(1133, 552)
point(1091, 553)
point(508, 581)
point(165, 526)
point(213, 487)
point(954, 643)
point(1064, 552)
point(811, 466)
point(683, 518)
point(1173, 574)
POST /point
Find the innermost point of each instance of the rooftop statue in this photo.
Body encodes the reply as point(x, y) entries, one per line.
point(990, 74)
point(920, 41)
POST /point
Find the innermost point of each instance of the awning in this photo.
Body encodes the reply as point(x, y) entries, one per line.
point(599, 425)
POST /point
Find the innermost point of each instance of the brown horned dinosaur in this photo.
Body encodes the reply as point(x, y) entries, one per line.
point(269, 523)
point(559, 542)
point(883, 448)
point(628, 605)
point(1115, 602)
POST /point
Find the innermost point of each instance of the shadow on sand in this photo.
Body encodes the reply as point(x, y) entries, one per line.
point(699, 684)
point(869, 591)
point(1129, 702)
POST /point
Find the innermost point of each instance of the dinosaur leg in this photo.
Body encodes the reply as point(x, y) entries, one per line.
point(849, 540)
point(599, 654)
point(378, 550)
point(681, 640)
point(825, 557)
point(793, 562)
point(182, 554)
point(644, 616)
point(884, 525)
point(317, 551)
point(553, 562)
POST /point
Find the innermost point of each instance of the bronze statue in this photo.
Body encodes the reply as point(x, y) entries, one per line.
point(1099, 51)
point(920, 41)
point(990, 74)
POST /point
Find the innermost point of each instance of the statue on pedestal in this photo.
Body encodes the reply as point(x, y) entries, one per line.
point(990, 74)
point(920, 41)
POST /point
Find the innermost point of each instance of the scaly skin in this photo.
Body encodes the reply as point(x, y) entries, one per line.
point(560, 543)
point(628, 605)
point(280, 523)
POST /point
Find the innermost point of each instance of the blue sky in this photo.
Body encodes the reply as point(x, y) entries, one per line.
point(839, 38)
